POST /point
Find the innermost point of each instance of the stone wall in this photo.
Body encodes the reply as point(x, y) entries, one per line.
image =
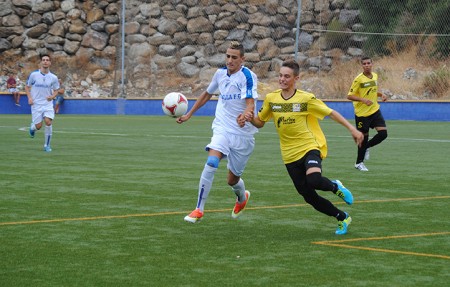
point(185, 38)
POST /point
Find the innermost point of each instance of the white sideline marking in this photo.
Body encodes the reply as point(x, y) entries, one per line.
point(25, 129)
point(270, 133)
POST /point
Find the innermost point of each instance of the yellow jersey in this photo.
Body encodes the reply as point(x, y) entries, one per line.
point(367, 88)
point(296, 121)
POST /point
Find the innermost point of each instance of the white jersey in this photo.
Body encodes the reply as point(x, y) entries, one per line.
point(234, 89)
point(42, 86)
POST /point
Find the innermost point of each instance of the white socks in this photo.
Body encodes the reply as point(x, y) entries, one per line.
point(239, 190)
point(48, 135)
point(206, 181)
point(204, 186)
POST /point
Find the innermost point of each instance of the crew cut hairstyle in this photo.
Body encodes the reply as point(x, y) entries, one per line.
point(45, 55)
point(235, 45)
point(366, 58)
point(292, 64)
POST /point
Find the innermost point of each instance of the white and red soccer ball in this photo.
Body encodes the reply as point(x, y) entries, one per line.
point(175, 104)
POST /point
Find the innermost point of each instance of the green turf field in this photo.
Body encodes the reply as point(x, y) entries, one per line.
point(106, 208)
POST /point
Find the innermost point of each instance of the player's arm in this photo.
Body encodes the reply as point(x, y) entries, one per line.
point(257, 122)
point(254, 120)
point(382, 96)
point(358, 137)
point(355, 98)
point(250, 109)
point(54, 92)
point(201, 101)
point(27, 91)
point(53, 96)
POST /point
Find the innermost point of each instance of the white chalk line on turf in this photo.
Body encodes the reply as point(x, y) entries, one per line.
point(25, 129)
point(83, 133)
point(418, 140)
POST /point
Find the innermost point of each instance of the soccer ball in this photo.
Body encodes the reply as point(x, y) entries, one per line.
point(174, 104)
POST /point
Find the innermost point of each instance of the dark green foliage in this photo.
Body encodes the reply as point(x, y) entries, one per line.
point(408, 17)
point(336, 40)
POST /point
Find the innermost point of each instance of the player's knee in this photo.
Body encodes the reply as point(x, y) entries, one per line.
point(213, 161)
point(383, 134)
point(310, 196)
point(314, 180)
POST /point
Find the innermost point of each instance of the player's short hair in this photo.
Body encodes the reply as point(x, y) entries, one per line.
point(292, 64)
point(45, 55)
point(366, 58)
point(235, 45)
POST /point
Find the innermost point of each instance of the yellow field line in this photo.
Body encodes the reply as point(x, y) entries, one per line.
point(336, 243)
point(209, 211)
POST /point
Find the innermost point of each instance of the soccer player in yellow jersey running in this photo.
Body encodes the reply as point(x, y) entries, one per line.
point(364, 94)
point(302, 142)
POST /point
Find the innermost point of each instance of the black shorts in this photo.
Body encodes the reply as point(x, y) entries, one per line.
point(375, 120)
point(298, 168)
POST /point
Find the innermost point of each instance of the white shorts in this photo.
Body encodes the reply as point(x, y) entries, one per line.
point(38, 112)
point(236, 149)
point(13, 90)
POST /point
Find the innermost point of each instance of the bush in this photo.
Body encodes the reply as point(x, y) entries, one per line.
point(438, 82)
point(336, 40)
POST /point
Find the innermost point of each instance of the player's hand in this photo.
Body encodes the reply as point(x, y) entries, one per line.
point(249, 116)
point(383, 97)
point(30, 101)
point(183, 119)
point(49, 98)
point(368, 102)
point(358, 137)
point(241, 120)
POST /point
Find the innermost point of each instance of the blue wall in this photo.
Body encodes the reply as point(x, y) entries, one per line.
point(399, 110)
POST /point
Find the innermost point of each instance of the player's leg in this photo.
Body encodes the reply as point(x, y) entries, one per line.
point(316, 181)
point(48, 134)
point(297, 172)
point(326, 207)
point(58, 103)
point(379, 124)
point(36, 120)
point(17, 98)
point(207, 177)
point(240, 150)
point(362, 125)
point(217, 149)
point(204, 186)
point(49, 115)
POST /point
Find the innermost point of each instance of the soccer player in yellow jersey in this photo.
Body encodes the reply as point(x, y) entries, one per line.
point(303, 145)
point(364, 94)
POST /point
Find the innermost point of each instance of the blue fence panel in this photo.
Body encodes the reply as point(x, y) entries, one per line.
point(398, 110)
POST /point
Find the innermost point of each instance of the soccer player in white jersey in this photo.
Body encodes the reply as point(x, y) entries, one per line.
point(42, 88)
point(238, 92)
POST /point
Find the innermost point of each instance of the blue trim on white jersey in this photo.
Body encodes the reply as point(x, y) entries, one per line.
point(248, 76)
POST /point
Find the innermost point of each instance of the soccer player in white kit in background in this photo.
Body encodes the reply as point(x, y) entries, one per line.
point(42, 88)
point(238, 92)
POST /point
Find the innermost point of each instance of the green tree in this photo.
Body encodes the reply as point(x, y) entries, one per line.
point(379, 16)
point(399, 16)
